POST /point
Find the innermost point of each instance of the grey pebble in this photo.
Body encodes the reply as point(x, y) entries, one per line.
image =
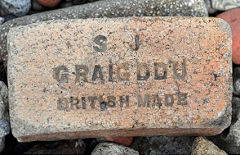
point(1, 20)
point(4, 117)
point(221, 5)
point(113, 149)
point(15, 7)
point(225, 4)
point(4, 128)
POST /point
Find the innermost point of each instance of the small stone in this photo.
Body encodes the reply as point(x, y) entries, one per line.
point(209, 7)
point(49, 3)
point(4, 128)
point(3, 101)
point(15, 7)
point(110, 9)
point(4, 117)
point(202, 146)
point(161, 145)
point(126, 141)
point(229, 140)
point(1, 20)
point(113, 149)
point(36, 6)
point(224, 5)
point(233, 19)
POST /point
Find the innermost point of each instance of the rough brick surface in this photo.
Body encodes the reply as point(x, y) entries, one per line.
point(110, 9)
point(120, 77)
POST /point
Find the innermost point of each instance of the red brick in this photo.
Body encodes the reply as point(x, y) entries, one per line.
point(188, 85)
point(233, 18)
point(49, 3)
point(126, 141)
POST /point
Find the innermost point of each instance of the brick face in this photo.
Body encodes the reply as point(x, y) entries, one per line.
point(120, 77)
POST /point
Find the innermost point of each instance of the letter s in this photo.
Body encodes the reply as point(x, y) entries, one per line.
point(101, 42)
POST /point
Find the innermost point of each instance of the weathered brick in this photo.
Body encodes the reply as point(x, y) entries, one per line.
point(120, 77)
point(109, 9)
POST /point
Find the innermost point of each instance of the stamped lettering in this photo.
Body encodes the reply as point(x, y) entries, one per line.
point(135, 76)
point(123, 70)
point(143, 101)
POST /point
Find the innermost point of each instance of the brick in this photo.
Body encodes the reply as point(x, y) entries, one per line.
point(119, 77)
point(233, 19)
point(126, 141)
point(49, 3)
point(109, 9)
